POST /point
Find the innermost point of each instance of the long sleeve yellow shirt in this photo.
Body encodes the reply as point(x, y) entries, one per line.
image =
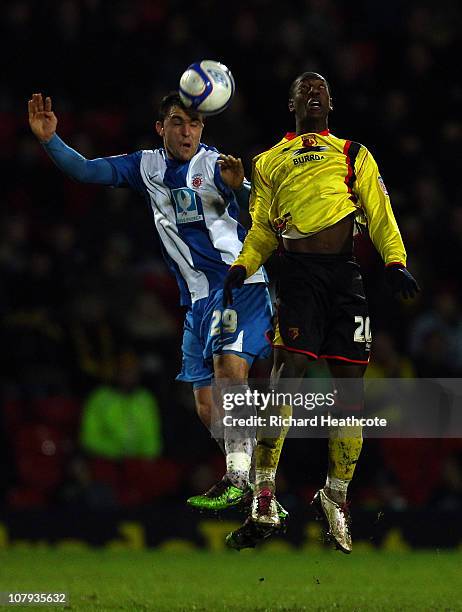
point(307, 183)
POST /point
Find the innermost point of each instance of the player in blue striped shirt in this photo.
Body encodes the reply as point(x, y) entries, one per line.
point(194, 193)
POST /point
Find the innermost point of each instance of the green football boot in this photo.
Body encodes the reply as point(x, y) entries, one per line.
point(221, 496)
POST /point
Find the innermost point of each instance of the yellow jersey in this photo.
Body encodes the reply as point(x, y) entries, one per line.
point(307, 183)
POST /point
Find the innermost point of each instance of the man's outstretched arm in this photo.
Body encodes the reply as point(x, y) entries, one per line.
point(43, 122)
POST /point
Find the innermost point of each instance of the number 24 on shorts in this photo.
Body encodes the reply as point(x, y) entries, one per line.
point(228, 320)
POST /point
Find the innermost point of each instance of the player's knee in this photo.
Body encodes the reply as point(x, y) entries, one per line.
point(348, 383)
point(347, 370)
point(289, 365)
point(349, 398)
point(230, 367)
point(298, 365)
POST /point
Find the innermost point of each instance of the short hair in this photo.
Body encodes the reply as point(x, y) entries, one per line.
point(306, 75)
point(173, 99)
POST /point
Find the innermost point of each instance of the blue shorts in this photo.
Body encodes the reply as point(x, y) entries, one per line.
point(210, 329)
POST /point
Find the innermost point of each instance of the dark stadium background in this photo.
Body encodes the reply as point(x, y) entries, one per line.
point(82, 279)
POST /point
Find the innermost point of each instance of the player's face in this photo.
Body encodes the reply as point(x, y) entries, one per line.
point(311, 98)
point(181, 133)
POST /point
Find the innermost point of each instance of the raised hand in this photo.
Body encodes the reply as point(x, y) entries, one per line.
point(42, 119)
point(232, 170)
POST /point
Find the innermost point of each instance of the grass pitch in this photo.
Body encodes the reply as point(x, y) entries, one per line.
point(250, 580)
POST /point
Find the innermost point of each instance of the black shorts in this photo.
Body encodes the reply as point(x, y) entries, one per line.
point(322, 309)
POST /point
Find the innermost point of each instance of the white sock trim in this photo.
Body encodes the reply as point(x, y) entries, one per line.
point(337, 484)
point(265, 475)
point(238, 462)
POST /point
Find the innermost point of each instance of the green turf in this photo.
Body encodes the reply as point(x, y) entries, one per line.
point(251, 580)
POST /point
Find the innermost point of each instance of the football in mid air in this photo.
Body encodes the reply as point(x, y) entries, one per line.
point(207, 86)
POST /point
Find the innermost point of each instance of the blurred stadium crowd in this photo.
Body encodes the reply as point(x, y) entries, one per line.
point(90, 322)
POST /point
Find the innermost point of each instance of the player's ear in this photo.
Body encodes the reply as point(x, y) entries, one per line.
point(160, 128)
point(291, 105)
point(331, 105)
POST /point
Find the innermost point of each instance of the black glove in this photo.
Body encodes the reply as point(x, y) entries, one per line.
point(400, 280)
point(234, 280)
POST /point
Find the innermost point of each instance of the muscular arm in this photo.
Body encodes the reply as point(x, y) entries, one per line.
point(68, 160)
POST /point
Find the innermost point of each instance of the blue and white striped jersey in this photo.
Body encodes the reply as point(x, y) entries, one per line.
point(195, 214)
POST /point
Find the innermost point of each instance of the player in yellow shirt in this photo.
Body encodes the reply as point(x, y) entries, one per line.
point(308, 192)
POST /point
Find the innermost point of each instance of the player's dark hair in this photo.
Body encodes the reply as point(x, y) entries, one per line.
point(173, 99)
point(306, 75)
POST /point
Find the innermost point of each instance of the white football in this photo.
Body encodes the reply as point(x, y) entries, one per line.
point(207, 86)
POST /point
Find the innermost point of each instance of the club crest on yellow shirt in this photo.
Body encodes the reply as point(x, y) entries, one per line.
point(309, 141)
point(281, 224)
